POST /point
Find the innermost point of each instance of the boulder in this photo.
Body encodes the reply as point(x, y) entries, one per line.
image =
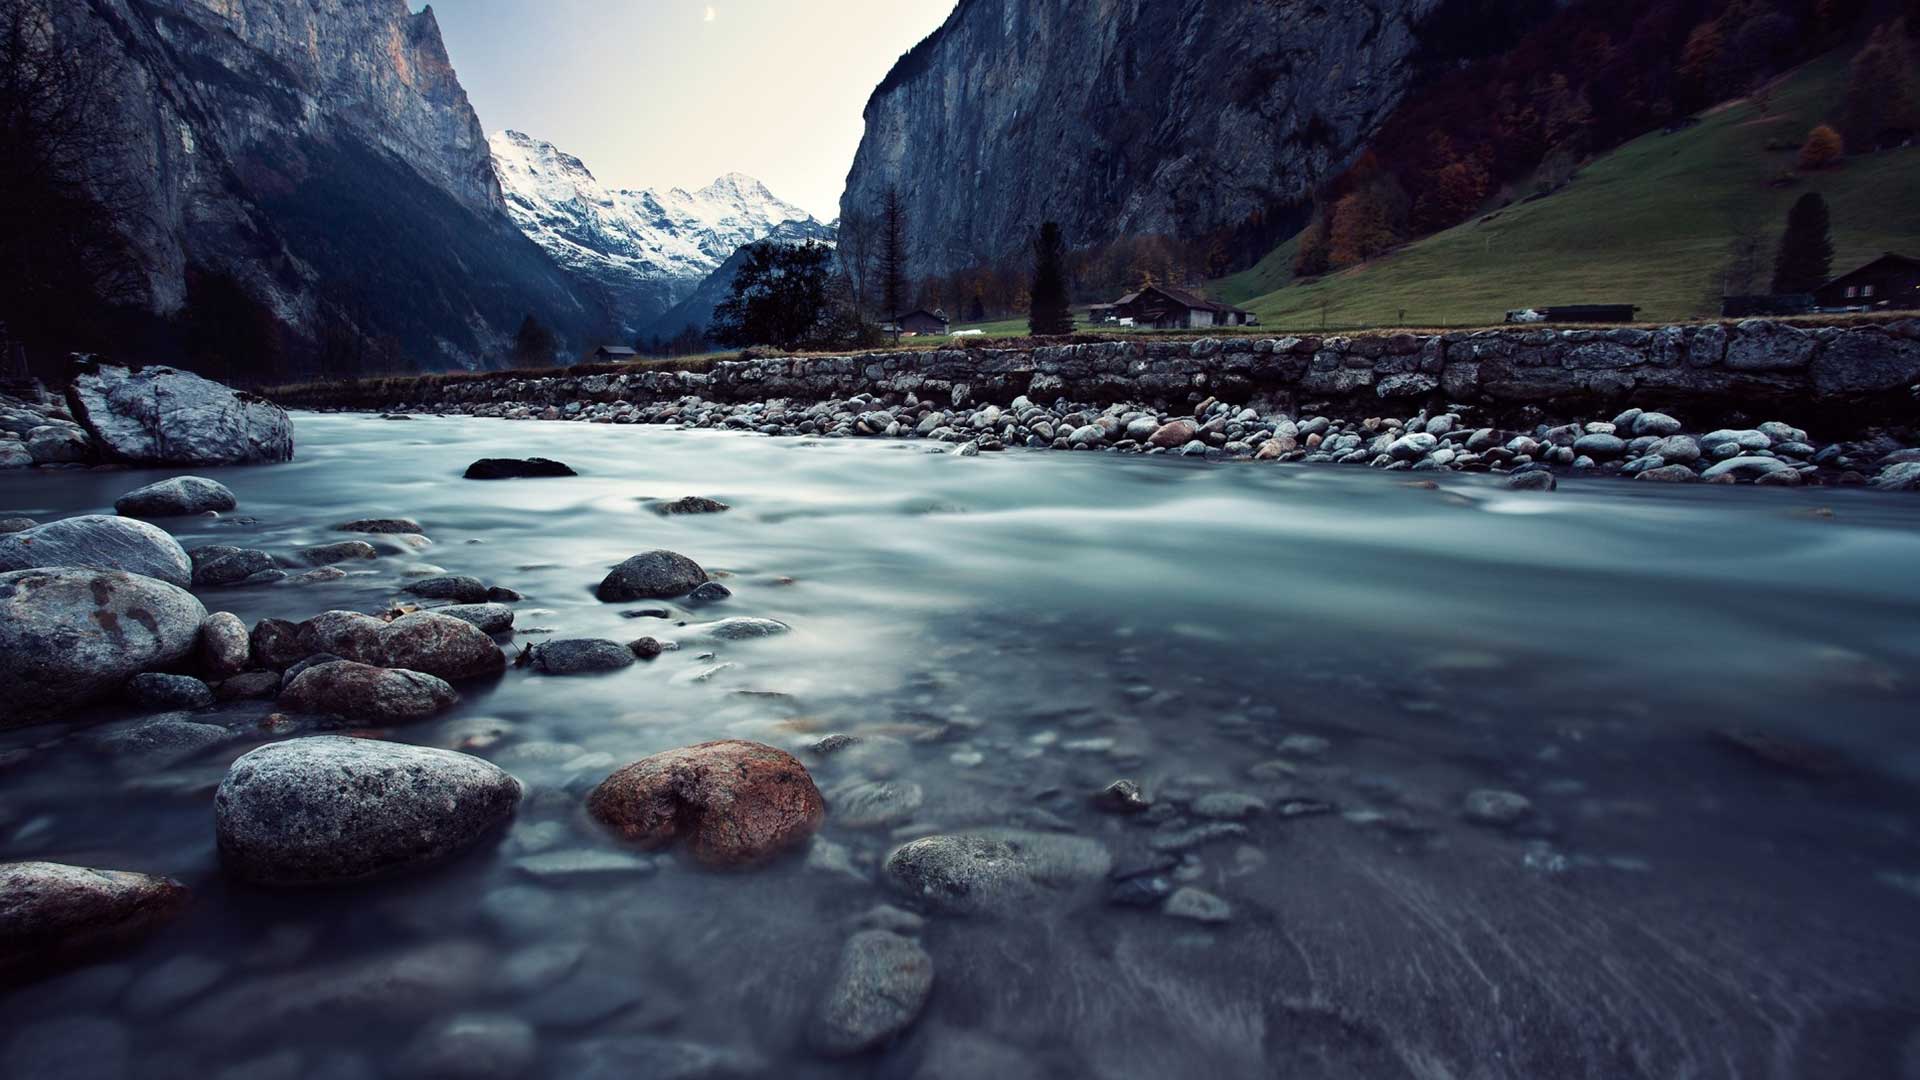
point(16, 524)
point(70, 636)
point(346, 634)
point(881, 985)
point(440, 645)
point(995, 871)
point(740, 628)
point(163, 416)
point(98, 542)
point(51, 913)
point(222, 564)
point(1173, 434)
point(490, 618)
point(456, 587)
point(1669, 474)
point(1899, 476)
point(1745, 467)
point(734, 803)
point(578, 656)
point(275, 643)
point(327, 809)
point(55, 444)
point(344, 551)
point(177, 497)
point(653, 575)
point(1532, 480)
point(380, 526)
point(157, 690)
point(691, 504)
point(366, 694)
point(516, 468)
point(225, 650)
point(1600, 445)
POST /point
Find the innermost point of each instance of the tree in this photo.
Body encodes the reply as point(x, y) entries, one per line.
point(1822, 150)
point(858, 242)
point(1049, 315)
point(787, 296)
point(1310, 256)
point(1805, 258)
point(1360, 229)
point(977, 310)
point(893, 255)
point(533, 344)
point(1882, 99)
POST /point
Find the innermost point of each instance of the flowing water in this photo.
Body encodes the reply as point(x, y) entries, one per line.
point(1708, 694)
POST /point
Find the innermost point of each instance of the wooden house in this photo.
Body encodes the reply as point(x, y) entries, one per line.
point(1890, 281)
point(1166, 308)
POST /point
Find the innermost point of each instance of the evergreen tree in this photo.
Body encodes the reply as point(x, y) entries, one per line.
point(533, 344)
point(1805, 257)
point(893, 255)
point(1049, 315)
point(787, 296)
point(977, 311)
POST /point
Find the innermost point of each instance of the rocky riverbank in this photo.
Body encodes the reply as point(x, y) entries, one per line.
point(1711, 402)
point(156, 415)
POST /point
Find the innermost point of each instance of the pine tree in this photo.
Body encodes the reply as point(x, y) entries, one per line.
point(1805, 257)
point(893, 255)
point(1049, 315)
point(533, 344)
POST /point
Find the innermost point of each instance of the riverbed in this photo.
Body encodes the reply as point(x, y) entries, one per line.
point(1707, 694)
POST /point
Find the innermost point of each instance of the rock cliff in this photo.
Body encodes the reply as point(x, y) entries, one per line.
point(324, 153)
point(1112, 117)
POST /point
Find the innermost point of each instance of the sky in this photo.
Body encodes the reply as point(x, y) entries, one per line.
point(673, 93)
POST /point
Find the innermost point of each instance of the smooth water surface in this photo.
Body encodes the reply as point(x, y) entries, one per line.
point(1013, 632)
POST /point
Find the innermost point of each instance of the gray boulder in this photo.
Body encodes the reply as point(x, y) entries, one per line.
point(440, 645)
point(1655, 423)
point(366, 694)
point(741, 628)
point(99, 542)
point(578, 656)
point(1532, 480)
point(157, 690)
point(343, 551)
point(1744, 467)
point(58, 443)
point(216, 565)
point(177, 497)
point(652, 575)
point(327, 809)
point(51, 912)
point(995, 871)
point(490, 618)
point(346, 634)
point(456, 587)
point(879, 989)
point(163, 416)
point(1900, 476)
point(225, 649)
point(71, 636)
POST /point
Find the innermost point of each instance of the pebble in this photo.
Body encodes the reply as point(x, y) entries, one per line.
point(880, 987)
point(1188, 902)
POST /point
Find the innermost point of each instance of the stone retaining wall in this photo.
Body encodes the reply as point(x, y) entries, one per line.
point(1853, 375)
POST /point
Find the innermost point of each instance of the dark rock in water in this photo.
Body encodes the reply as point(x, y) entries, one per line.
point(741, 628)
point(653, 575)
point(224, 647)
point(515, 468)
point(647, 613)
point(997, 871)
point(326, 809)
point(15, 524)
point(692, 504)
point(177, 497)
point(366, 694)
point(500, 594)
point(711, 592)
point(68, 637)
point(1123, 797)
point(1783, 752)
point(383, 526)
point(646, 648)
point(490, 618)
point(98, 542)
point(51, 913)
point(249, 685)
point(734, 803)
point(293, 670)
point(220, 564)
point(343, 551)
point(155, 690)
point(578, 656)
point(165, 741)
point(878, 991)
point(1532, 480)
point(163, 416)
point(456, 587)
point(440, 645)
point(346, 634)
point(275, 643)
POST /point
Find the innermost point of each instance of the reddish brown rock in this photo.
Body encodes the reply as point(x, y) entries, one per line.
point(440, 645)
point(1174, 434)
point(346, 634)
point(735, 803)
point(367, 694)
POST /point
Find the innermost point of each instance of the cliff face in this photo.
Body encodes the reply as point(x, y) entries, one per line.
point(1118, 117)
point(324, 153)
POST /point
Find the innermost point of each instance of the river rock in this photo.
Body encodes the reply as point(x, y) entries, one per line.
point(345, 634)
point(516, 468)
point(741, 628)
point(1532, 480)
point(441, 645)
point(157, 690)
point(163, 416)
point(343, 551)
point(490, 618)
point(216, 565)
point(456, 587)
point(652, 575)
point(1745, 467)
point(1900, 476)
point(579, 656)
point(1656, 423)
point(275, 643)
point(880, 987)
point(68, 637)
point(366, 694)
point(328, 809)
point(51, 912)
point(1600, 445)
point(734, 803)
point(224, 648)
point(995, 871)
point(380, 526)
point(16, 524)
point(708, 592)
point(99, 542)
point(691, 504)
point(1173, 434)
point(1669, 474)
point(177, 497)
point(58, 443)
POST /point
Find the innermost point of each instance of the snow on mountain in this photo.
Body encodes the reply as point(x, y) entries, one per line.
point(648, 249)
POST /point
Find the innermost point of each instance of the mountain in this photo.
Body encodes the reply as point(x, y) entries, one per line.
point(1134, 117)
point(644, 250)
point(696, 309)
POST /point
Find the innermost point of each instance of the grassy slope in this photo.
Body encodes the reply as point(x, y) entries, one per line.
point(1649, 224)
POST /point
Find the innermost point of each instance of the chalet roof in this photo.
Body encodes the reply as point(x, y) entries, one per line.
point(938, 316)
point(614, 350)
point(1889, 258)
point(1179, 296)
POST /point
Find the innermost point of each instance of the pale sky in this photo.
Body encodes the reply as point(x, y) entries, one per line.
point(672, 93)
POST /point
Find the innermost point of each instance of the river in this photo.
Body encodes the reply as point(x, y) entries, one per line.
point(1011, 633)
